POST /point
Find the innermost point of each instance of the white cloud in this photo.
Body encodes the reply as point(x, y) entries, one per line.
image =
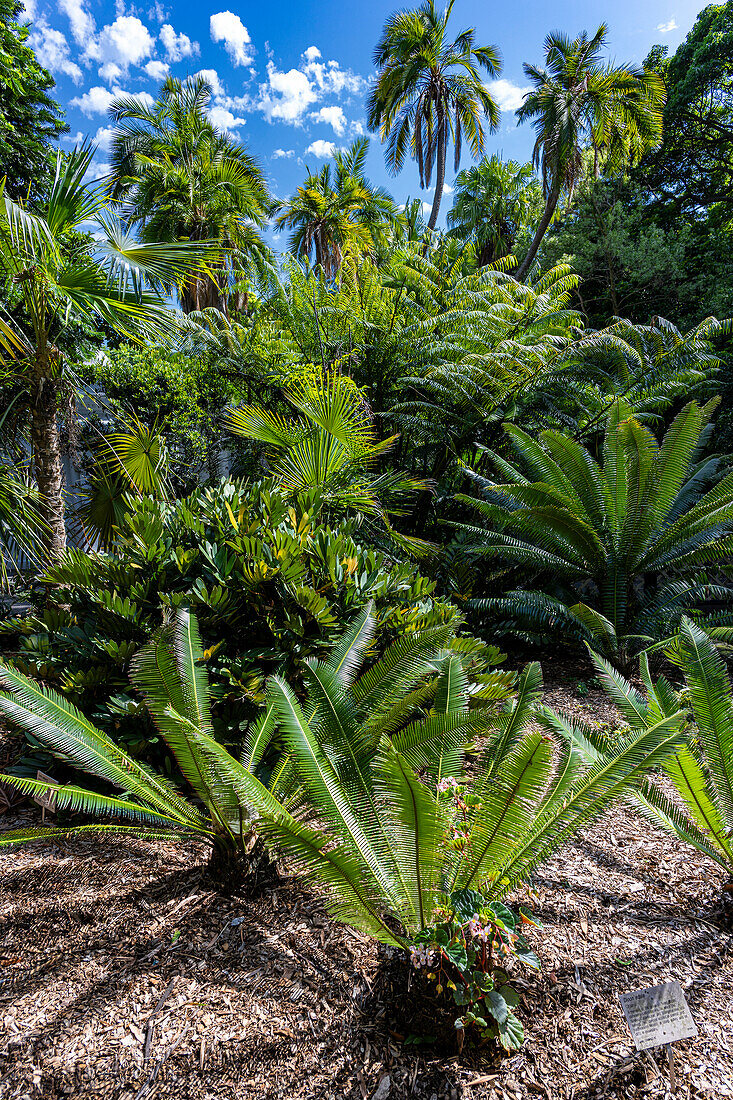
point(665, 28)
point(330, 78)
point(321, 149)
point(176, 46)
point(509, 96)
point(212, 76)
point(103, 136)
point(52, 50)
point(158, 12)
point(110, 72)
point(286, 96)
point(279, 153)
point(334, 116)
point(448, 189)
point(82, 24)
point(125, 42)
point(224, 119)
point(97, 100)
point(157, 70)
point(228, 28)
point(29, 11)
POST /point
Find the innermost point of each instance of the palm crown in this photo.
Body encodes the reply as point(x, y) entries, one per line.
point(580, 100)
point(494, 202)
point(52, 271)
point(181, 178)
point(336, 210)
point(429, 91)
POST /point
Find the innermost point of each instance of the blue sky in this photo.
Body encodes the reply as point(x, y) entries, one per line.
point(290, 75)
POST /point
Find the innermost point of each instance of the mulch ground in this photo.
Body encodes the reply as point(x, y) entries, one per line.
point(124, 975)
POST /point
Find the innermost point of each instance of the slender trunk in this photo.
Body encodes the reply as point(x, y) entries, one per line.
point(550, 207)
point(440, 174)
point(603, 230)
point(47, 462)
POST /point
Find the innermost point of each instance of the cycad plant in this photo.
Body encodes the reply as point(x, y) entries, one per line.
point(701, 767)
point(414, 798)
point(611, 550)
point(170, 675)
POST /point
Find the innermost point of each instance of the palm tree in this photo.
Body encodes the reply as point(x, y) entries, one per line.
point(579, 100)
point(336, 210)
point(182, 179)
point(494, 202)
point(53, 273)
point(429, 92)
point(618, 546)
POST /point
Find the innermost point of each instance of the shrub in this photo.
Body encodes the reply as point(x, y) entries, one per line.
point(414, 810)
point(271, 583)
point(612, 551)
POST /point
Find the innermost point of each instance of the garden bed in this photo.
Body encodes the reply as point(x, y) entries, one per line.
point(124, 974)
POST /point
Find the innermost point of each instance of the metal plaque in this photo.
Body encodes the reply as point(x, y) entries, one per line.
point(658, 1015)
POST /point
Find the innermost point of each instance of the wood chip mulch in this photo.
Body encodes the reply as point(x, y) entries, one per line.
point(124, 975)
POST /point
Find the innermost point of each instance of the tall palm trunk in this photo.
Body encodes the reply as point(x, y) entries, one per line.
point(550, 206)
point(440, 173)
point(47, 466)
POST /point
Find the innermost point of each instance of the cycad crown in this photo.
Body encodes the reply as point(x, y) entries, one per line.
point(353, 796)
point(632, 532)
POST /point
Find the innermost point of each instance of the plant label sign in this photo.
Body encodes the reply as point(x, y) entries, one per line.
point(46, 801)
point(658, 1016)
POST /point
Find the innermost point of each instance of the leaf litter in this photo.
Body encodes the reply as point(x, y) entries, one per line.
point(125, 976)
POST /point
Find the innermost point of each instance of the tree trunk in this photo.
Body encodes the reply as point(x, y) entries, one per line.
point(550, 207)
point(440, 174)
point(242, 870)
point(47, 462)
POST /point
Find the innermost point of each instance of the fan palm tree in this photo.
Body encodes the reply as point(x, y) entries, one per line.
point(336, 210)
point(179, 178)
point(52, 274)
point(494, 202)
point(631, 533)
point(579, 100)
point(429, 92)
point(354, 789)
point(331, 448)
point(131, 461)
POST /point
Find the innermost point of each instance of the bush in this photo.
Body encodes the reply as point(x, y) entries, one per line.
point(269, 580)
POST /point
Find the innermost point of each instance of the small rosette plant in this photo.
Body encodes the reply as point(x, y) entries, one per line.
point(469, 951)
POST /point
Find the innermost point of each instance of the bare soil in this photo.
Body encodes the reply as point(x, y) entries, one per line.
point(125, 975)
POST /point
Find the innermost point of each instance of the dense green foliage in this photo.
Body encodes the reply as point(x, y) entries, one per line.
point(282, 465)
point(30, 119)
point(625, 543)
point(182, 395)
point(270, 579)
